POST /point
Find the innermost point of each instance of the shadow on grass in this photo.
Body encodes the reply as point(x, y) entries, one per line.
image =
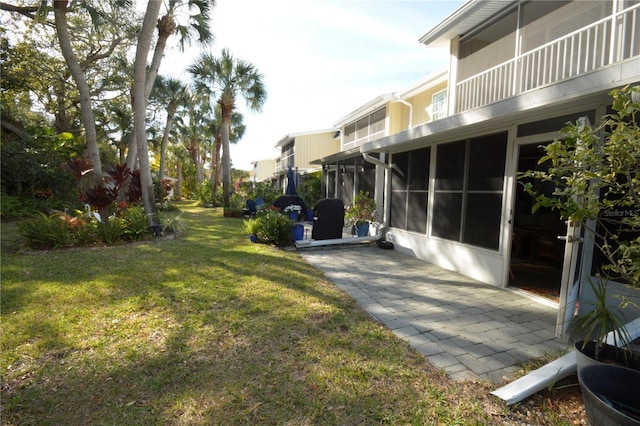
point(204, 329)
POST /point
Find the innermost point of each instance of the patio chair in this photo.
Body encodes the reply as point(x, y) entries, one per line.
point(250, 208)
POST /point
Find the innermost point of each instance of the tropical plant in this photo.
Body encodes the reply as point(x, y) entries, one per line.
point(602, 321)
point(46, 232)
point(196, 125)
point(264, 190)
point(275, 227)
point(171, 93)
point(197, 26)
point(361, 210)
point(597, 185)
point(139, 110)
point(135, 223)
point(252, 226)
point(110, 231)
point(175, 225)
point(310, 190)
point(236, 203)
point(228, 78)
point(595, 174)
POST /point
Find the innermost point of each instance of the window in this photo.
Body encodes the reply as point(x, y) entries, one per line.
point(439, 105)
point(410, 190)
point(287, 156)
point(349, 134)
point(468, 190)
point(365, 129)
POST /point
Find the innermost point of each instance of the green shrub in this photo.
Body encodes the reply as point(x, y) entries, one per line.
point(275, 228)
point(47, 232)
point(236, 203)
point(13, 207)
point(84, 231)
point(25, 206)
point(252, 226)
point(266, 191)
point(204, 194)
point(135, 223)
point(110, 232)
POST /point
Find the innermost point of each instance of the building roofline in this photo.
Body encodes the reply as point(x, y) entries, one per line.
point(541, 104)
point(289, 137)
point(373, 104)
point(462, 20)
point(337, 156)
point(432, 78)
point(379, 101)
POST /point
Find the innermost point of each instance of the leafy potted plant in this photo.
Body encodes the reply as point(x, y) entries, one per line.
point(360, 213)
point(310, 191)
point(252, 227)
point(596, 179)
point(605, 337)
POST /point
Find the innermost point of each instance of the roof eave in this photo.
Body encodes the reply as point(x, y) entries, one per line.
point(465, 18)
point(373, 104)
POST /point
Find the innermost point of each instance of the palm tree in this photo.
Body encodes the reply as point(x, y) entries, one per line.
point(171, 93)
point(227, 78)
point(198, 127)
point(197, 28)
point(237, 129)
point(140, 109)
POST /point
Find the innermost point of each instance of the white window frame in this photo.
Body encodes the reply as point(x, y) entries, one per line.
point(439, 105)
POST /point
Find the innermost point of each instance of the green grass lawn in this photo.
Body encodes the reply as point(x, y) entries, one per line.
point(203, 329)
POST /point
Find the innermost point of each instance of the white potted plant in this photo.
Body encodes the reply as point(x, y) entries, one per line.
point(293, 210)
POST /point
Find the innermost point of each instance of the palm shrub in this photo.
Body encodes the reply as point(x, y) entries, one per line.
point(265, 191)
point(175, 225)
point(46, 232)
point(252, 226)
point(111, 231)
point(135, 223)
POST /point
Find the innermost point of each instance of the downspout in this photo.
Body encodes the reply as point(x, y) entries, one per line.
point(397, 98)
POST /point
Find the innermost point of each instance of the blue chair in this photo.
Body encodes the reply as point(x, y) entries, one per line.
point(250, 209)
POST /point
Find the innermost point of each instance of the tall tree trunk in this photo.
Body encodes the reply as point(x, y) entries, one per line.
point(86, 110)
point(165, 138)
point(217, 171)
point(178, 192)
point(194, 151)
point(139, 110)
point(226, 155)
point(166, 26)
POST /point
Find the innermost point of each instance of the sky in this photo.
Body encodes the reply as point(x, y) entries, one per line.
point(320, 59)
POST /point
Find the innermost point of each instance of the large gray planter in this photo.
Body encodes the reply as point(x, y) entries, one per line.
point(585, 355)
point(611, 395)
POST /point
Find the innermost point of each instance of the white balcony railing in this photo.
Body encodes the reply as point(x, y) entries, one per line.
point(608, 41)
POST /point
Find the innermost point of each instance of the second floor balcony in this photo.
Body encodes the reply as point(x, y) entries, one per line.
point(600, 43)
